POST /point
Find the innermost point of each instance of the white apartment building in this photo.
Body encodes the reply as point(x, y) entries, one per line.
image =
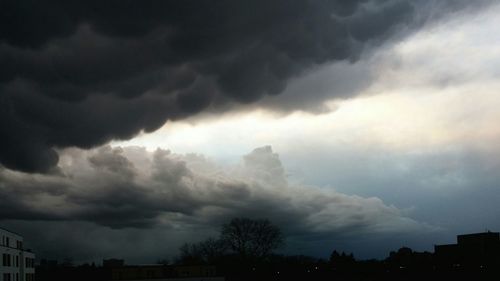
point(16, 264)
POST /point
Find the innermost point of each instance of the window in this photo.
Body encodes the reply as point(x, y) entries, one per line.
point(17, 261)
point(6, 277)
point(5, 259)
point(29, 262)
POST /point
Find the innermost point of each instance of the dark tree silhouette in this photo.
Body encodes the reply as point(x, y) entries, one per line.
point(189, 254)
point(206, 251)
point(251, 238)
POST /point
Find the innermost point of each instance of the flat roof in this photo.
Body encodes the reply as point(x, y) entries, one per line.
point(481, 233)
point(1, 228)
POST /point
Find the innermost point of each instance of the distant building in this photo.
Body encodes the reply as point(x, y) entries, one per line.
point(478, 249)
point(165, 272)
point(16, 263)
point(113, 263)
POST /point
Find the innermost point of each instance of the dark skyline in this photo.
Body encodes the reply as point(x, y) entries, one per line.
point(356, 125)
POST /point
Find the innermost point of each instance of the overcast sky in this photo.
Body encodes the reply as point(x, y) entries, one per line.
point(128, 128)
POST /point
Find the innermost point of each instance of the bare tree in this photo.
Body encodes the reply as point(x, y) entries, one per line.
point(206, 251)
point(212, 249)
point(247, 237)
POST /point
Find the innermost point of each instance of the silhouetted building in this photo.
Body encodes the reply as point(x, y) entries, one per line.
point(478, 249)
point(193, 271)
point(140, 272)
point(113, 263)
point(17, 264)
point(164, 272)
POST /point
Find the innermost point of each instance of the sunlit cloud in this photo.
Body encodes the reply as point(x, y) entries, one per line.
point(436, 88)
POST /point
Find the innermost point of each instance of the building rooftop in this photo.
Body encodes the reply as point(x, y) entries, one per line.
point(4, 229)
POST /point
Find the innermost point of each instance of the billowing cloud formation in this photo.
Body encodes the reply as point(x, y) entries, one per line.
point(133, 188)
point(80, 73)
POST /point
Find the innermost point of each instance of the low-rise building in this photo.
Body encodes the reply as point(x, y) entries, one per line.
point(477, 249)
point(165, 272)
point(16, 263)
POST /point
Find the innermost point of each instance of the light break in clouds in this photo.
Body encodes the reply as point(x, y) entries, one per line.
point(422, 134)
point(130, 189)
point(398, 145)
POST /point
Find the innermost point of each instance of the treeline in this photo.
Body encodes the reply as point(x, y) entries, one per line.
point(244, 250)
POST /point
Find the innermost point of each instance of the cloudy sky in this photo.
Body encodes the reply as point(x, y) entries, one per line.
point(130, 127)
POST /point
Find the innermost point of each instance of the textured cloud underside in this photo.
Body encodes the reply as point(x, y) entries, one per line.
point(130, 187)
point(82, 73)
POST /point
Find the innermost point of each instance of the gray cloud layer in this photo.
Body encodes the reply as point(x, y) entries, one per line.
point(130, 188)
point(80, 73)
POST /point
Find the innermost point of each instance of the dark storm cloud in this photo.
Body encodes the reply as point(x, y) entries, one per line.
point(133, 188)
point(120, 192)
point(80, 73)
